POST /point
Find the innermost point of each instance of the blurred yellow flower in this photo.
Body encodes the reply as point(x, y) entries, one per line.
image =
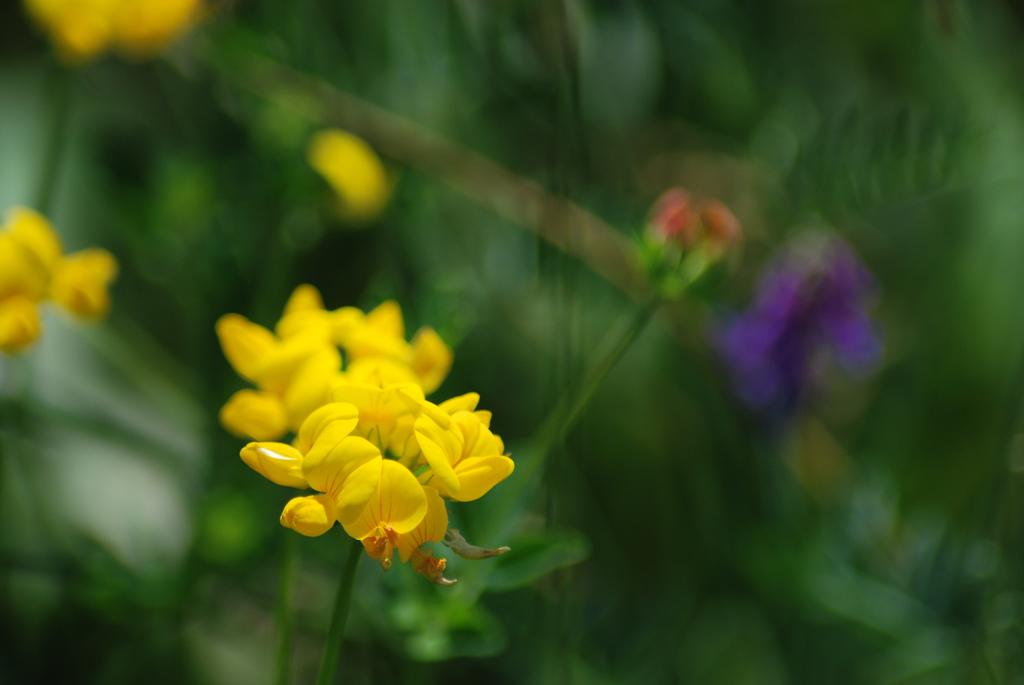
point(33, 269)
point(83, 29)
point(354, 172)
point(380, 457)
point(293, 376)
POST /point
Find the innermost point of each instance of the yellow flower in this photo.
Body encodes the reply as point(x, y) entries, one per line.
point(81, 281)
point(379, 456)
point(33, 268)
point(354, 172)
point(83, 29)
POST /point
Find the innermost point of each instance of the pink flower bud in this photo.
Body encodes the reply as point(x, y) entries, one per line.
point(673, 219)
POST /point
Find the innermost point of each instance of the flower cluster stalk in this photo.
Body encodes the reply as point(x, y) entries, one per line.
point(336, 631)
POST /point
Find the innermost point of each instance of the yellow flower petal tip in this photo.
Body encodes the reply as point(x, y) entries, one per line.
point(275, 461)
point(354, 172)
point(311, 516)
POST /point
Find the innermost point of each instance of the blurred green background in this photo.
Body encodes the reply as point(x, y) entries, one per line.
point(673, 537)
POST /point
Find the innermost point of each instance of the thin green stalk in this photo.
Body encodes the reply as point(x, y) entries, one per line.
point(284, 610)
point(573, 405)
point(335, 633)
point(58, 104)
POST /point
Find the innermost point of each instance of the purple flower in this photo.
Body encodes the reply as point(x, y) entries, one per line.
point(810, 307)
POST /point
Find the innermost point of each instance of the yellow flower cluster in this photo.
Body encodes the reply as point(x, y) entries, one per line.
point(381, 457)
point(33, 268)
point(354, 172)
point(83, 29)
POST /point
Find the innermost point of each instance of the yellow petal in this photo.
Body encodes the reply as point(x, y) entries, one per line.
point(402, 443)
point(28, 252)
point(365, 341)
point(344, 322)
point(19, 323)
point(304, 298)
point(441, 448)
point(477, 475)
point(284, 360)
point(246, 345)
point(35, 235)
point(334, 458)
point(431, 359)
point(255, 415)
point(381, 496)
point(354, 172)
point(431, 529)
point(81, 282)
point(477, 439)
point(467, 402)
point(309, 323)
point(340, 416)
point(386, 319)
point(310, 386)
point(312, 515)
point(380, 372)
point(275, 461)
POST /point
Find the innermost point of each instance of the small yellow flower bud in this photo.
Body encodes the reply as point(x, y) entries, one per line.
point(19, 323)
point(80, 283)
point(255, 415)
point(354, 172)
point(275, 461)
point(312, 515)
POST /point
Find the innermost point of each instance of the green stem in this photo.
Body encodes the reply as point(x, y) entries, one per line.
point(59, 105)
point(573, 405)
point(335, 633)
point(284, 610)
